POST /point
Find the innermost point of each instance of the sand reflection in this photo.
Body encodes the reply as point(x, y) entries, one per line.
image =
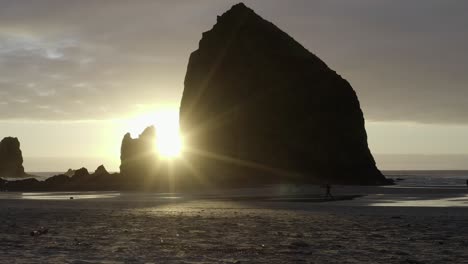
point(68, 195)
point(420, 201)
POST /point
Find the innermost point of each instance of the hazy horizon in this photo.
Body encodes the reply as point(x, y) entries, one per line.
point(391, 162)
point(75, 77)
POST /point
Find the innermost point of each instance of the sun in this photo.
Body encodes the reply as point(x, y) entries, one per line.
point(169, 142)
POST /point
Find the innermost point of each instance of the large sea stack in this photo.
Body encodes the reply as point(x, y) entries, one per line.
point(258, 107)
point(11, 158)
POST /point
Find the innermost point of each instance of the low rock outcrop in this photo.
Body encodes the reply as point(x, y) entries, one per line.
point(79, 180)
point(101, 171)
point(81, 173)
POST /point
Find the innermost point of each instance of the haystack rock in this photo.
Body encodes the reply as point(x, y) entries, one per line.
point(255, 100)
point(11, 158)
point(138, 157)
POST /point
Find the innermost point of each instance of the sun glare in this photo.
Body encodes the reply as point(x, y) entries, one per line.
point(169, 143)
point(168, 140)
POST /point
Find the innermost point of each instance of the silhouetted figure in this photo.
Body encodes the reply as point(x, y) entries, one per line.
point(328, 191)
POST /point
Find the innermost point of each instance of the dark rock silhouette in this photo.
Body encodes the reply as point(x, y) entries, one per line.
point(70, 172)
point(11, 158)
point(258, 107)
point(81, 174)
point(138, 156)
point(101, 171)
point(57, 180)
point(29, 184)
point(80, 180)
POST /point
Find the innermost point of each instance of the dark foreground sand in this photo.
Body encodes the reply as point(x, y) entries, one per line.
point(142, 228)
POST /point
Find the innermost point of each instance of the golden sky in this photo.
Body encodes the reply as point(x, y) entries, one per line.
point(75, 75)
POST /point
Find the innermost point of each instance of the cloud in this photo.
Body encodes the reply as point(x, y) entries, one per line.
point(100, 59)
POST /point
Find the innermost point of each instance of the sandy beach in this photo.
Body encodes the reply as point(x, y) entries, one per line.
point(386, 225)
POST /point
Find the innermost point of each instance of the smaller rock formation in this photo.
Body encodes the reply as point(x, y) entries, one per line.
point(70, 172)
point(57, 180)
point(72, 180)
point(21, 185)
point(101, 171)
point(138, 156)
point(81, 173)
point(11, 158)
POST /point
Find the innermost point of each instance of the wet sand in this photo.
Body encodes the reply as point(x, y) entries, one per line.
point(386, 225)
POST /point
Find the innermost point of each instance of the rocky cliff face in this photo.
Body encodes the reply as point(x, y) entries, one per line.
point(257, 101)
point(138, 156)
point(11, 158)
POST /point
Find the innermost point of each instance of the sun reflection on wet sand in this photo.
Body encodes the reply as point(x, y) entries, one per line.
point(68, 195)
point(424, 201)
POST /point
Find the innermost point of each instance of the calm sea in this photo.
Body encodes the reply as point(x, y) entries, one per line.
point(410, 178)
point(429, 178)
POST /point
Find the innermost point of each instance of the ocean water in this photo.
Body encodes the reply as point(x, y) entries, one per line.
point(429, 178)
point(40, 176)
point(407, 177)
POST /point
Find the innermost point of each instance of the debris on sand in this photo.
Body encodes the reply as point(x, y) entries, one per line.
point(41, 231)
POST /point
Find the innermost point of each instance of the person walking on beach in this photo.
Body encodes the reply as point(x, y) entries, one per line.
point(328, 191)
